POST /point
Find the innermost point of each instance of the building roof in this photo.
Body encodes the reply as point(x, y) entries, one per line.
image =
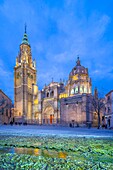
point(109, 92)
point(78, 69)
point(5, 95)
point(25, 38)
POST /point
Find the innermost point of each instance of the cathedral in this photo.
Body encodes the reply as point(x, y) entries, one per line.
point(56, 103)
point(25, 87)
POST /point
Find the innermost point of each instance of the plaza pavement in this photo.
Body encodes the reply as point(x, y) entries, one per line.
point(36, 130)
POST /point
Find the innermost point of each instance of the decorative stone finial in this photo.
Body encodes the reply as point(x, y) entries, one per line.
point(78, 61)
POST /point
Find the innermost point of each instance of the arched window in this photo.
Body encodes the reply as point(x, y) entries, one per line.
point(85, 89)
point(47, 94)
point(72, 91)
point(76, 89)
point(52, 94)
point(81, 89)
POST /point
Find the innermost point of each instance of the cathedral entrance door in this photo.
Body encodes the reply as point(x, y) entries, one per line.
point(51, 117)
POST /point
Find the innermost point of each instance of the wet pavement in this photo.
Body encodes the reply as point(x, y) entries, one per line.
point(33, 151)
point(36, 130)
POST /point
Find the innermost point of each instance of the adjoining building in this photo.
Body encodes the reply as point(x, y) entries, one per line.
point(108, 115)
point(5, 108)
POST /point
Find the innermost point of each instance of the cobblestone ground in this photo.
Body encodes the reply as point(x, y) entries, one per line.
point(37, 130)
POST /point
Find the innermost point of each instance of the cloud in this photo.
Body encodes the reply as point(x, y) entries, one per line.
point(62, 49)
point(45, 75)
point(58, 31)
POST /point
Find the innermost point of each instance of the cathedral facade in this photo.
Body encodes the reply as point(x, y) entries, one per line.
point(49, 103)
point(67, 104)
point(56, 103)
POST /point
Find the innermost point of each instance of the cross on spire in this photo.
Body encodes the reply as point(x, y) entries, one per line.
point(25, 27)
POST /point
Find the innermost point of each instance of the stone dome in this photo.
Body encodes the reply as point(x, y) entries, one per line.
point(78, 69)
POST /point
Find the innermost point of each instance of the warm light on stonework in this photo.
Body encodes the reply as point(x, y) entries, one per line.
point(26, 90)
point(36, 101)
point(75, 77)
point(63, 95)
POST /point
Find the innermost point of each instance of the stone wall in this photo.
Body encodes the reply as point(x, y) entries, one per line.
point(5, 108)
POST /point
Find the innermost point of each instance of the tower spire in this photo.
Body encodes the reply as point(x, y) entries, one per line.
point(25, 37)
point(25, 28)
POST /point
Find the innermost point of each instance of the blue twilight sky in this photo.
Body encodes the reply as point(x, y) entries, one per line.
point(58, 30)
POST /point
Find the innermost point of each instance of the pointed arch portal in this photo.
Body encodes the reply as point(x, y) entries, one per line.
point(48, 114)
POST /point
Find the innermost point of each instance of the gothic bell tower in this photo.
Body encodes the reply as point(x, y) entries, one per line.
point(24, 81)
